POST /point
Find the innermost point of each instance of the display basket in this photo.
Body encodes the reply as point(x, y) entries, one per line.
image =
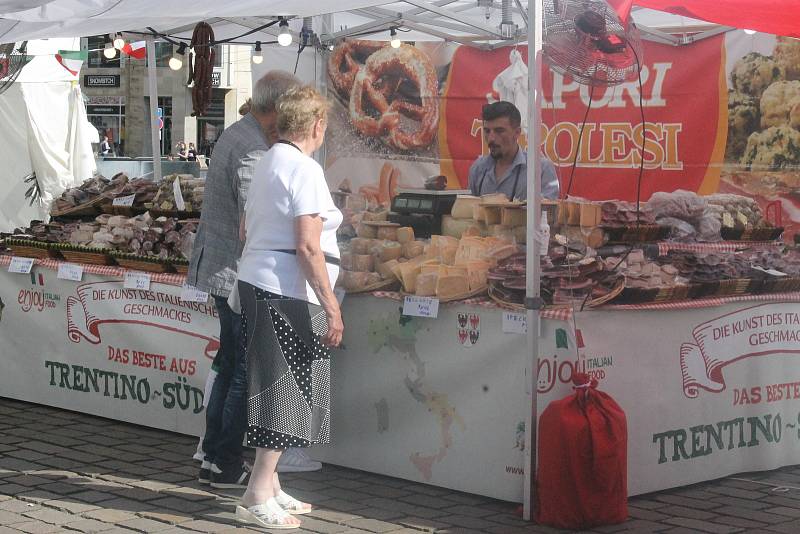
point(383, 285)
point(127, 211)
point(636, 234)
point(136, 262)
point(637, 295)
point(87, 255)
point(90, 208)
point(781, 284)
point(180, 266)
point(672, 293)
point(27, 248)
point(517, 306)
point(751, 234)
point(615, 292)
point(735, 286)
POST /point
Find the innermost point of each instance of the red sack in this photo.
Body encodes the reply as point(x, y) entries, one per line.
point(582, 478)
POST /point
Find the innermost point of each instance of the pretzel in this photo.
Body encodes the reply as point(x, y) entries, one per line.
point(377, 84)
point(346, 59)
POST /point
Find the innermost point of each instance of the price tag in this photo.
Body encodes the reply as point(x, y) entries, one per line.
point(421, 307)
point(134, 280)
point(340, 293)
point(176, 189)
point(192, 294)
point(126, 201)
point(20, 265)
point(515, 323)
point(70, 271)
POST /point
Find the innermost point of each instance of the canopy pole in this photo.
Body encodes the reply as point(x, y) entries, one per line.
point(532, 266)
point(153, 91)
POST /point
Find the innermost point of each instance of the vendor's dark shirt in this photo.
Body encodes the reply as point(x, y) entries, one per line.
point(482, 180)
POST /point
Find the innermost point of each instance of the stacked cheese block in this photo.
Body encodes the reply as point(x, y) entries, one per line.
point(450, 268)
point(489, 215)
point(372, 255)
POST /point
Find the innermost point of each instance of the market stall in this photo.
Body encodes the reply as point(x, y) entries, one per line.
point(682, 303)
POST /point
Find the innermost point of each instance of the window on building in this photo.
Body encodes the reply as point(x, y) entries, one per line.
point(163, 54)
point(94, 47)
point(217, 56)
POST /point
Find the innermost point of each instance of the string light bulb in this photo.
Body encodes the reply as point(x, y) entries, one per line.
point(257, 57)
point(176, 61)
point(395, 40)
point(285, 35)
point(109, 51)
point(750, 32)
point(119, 42)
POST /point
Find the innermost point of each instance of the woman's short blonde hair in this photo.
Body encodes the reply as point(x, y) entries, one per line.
point(298, 109)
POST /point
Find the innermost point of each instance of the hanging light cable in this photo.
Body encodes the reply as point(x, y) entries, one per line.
point(176, 61)
point(285, 35)
point(395, 40)
point(257, 57)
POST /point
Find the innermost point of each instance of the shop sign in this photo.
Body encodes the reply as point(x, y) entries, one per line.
point(216, 78)
point(101, 80)
point(105, 110)
point(100, 100)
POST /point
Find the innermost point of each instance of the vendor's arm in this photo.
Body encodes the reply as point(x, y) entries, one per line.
point(308, 229)
point(550, 184)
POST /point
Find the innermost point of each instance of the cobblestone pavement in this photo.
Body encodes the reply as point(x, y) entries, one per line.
point(66, 472)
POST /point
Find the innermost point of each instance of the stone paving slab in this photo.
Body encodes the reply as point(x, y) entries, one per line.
point(69, 476)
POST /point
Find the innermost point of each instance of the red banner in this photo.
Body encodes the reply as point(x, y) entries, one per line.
point(685, 109)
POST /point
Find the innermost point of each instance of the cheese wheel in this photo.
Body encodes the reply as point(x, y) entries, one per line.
point(355, 281)
point(363, 262)
point(513, 216)
point(448, 254)
point(412, 249)
point(405, 234)
point(360, 245)
point(390, 251)
point(471, 248)
point(426, 284)
point(365, 230)
point(346, 261)
point(386, 269)
point(456, 227)
point(471, 231)
point(372, 279)
point(452, 286)
point(476, 273)
point(387, 232)
point(408, 276)
point(462, 208)
point(376, 216)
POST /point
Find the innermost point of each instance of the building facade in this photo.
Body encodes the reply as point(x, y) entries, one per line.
point(117, 95)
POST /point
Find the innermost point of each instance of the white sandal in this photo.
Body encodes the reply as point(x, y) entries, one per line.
point(292, 505)
point(267, 515)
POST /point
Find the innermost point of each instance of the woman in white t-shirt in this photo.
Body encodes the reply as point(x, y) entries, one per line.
point(287, 272)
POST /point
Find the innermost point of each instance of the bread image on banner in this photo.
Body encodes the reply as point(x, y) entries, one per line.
point(390, 95)
point(763, 144)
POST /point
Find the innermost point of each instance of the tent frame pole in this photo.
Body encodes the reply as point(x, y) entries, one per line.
point(152, 82)
point(532, 267)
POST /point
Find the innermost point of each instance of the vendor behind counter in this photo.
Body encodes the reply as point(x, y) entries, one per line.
point(505, 168)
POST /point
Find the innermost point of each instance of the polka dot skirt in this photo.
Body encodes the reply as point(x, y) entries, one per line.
point(288, 377)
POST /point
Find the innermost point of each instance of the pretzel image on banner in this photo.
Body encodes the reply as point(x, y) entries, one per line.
point(381, 102)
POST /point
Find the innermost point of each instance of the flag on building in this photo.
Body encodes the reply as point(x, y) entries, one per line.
point(136, 50)
point(72, 60)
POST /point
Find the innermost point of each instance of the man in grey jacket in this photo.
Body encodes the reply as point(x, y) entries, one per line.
point(213, 269)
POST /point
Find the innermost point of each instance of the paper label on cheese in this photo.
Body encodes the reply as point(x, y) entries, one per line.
point(515, 323)
point(135, 280)
point(70, 271)
point(176, 189)
point(125, 201)
point(421, 307)
point(20, 265)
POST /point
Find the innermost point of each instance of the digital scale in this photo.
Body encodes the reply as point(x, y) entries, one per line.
point(422, 209)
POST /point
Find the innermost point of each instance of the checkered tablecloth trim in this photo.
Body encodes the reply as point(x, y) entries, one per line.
point(707, 302)
point(106, 270)
point(555, 314)
point(723, 246)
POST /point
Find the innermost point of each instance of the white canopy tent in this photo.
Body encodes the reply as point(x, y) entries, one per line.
point(463, 21)
point(45, 131)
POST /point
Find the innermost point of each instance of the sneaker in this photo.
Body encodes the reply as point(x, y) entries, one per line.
point(295, 460)
point(206, 468)
point(231, 479)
